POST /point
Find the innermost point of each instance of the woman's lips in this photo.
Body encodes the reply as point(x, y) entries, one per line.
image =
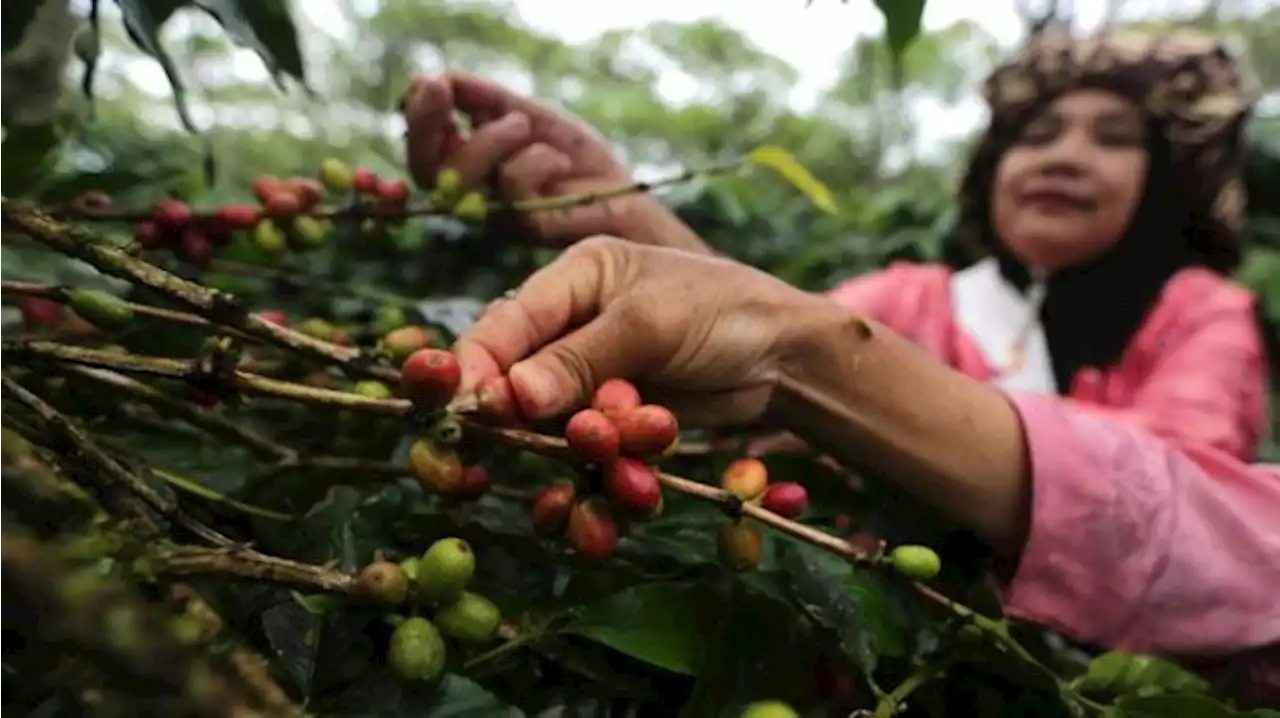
point(1057, 201)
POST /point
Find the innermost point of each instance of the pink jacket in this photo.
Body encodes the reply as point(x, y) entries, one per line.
point(1149, 533)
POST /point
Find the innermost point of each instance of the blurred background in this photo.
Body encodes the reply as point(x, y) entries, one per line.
point(673, 83)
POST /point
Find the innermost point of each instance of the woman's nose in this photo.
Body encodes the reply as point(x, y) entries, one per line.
point(1068, 154)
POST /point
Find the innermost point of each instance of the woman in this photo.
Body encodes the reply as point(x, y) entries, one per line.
point(1121, 538)
point(1106, 192)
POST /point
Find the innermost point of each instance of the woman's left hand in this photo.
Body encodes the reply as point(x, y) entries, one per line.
point(706, 336)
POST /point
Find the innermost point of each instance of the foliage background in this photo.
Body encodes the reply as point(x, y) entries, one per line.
point(75, 119)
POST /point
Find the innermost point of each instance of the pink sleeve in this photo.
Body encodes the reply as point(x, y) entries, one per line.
point(1138, 545)
point(899, 296)
point(1209, 382)
point(866, 294)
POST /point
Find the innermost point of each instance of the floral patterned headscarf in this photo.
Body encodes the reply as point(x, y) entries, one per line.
point(1186, 81)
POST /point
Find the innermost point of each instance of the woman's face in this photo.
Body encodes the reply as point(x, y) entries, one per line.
point(1066, 190)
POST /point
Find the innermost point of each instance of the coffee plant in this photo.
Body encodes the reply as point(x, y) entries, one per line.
point(242, 483)
point(240, 480)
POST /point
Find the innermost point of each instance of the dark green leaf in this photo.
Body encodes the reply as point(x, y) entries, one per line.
point(31, 150)
point(264, 26)
point(1182, 707)
point(660, 623)
point(381, 694)
point(866, 611)
point(901, 23)
point(1118, 672)
point(16, 15)
point(143, 20)
point(758, 650)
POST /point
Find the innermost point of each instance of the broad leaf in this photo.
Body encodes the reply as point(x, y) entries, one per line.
point(143, 20)
point(265, 27)
point(1182, 707)
point(863, 610)
point(1118, 672)
point(901, 24)
point(15, 16)
point(660, 623)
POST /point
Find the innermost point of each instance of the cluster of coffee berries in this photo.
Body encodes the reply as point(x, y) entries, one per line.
point(289, 213)
point(748, 480)
point(436, 581)
point(740, 542)
point(447, 193)
point(429, 378)
point(618, 438)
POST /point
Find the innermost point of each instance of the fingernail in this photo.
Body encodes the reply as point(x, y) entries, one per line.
point(535, 389)
point(516, 123)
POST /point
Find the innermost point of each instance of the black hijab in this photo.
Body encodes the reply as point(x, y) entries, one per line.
point(1090, 312)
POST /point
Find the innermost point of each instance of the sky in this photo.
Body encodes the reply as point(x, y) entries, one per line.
point(812, 39)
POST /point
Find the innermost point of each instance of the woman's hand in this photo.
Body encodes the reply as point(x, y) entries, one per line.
point(705, 336)
point(527, 148)
point(722, 343)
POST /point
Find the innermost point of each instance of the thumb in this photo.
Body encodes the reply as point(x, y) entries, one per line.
point(485, 100)
point(564, 374)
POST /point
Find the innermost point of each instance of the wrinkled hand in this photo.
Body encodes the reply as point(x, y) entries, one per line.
point(705, 336)
point(528, 149)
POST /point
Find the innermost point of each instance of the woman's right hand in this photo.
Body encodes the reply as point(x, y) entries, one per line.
point(526, 149)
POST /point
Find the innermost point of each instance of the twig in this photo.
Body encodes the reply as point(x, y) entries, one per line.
point(229, 266)
point(368, 210)
point(210, 421)
point(247, 563)
point(147, 671)
point(245, 382)
point(252, 667)
point(370, 468)
point(59, 294)
point(217, 306)
point(129, 492)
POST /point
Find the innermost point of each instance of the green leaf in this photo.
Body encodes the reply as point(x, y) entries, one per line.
point(459, 697)
point(901, 24)
point(758, 649)
point(1119, 672)
point(143, 20)
point(264, 26)
point(781, 161)
point(863, 609)
point(16, 16)
point(660, 623)
point(1182, 707)
point(32, 149)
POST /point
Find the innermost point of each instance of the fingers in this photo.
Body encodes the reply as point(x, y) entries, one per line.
point(562, 375)
point(428, 104)
point(564, 294)
point(488, 147)
point(485, 101)
point(533, 168)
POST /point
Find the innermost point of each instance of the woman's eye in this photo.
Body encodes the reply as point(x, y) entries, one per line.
point(1039, 133)
point(1118, 136)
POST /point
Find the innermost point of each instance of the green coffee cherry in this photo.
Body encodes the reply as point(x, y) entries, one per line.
point(769, 709)
point(417, 652)
point(445, 570)
point(101, 309)
point(918, 563)
point(335, 175)
point(471, 208)
point(471, 619)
